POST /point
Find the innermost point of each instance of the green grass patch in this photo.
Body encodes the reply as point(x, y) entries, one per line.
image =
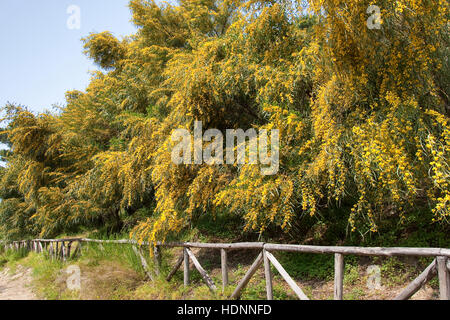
point(307, 266)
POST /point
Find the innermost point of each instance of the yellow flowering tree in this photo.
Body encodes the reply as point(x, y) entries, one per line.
point(358, 91)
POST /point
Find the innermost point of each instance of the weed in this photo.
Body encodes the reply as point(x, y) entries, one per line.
point(351, 275)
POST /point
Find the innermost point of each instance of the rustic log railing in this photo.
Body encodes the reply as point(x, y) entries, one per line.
point(61, 249)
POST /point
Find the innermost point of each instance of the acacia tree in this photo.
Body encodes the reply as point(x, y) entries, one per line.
point(362, 113)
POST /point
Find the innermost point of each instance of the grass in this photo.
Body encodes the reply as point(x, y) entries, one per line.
point(355, 294)
point(308, 266)
point(10, 258)
point(351, 274)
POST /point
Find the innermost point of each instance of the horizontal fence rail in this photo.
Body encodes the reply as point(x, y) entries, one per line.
point(61, 249)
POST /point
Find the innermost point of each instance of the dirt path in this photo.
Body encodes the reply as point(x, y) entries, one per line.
point(17, 286)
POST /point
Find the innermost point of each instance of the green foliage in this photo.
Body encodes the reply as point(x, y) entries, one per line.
point(10, 257)
point(355, 294)
point(308, 266)
point(352, 274)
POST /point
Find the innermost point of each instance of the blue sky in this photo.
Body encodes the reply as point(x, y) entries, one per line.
point(40, 57)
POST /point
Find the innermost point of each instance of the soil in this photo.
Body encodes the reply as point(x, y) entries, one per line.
point(16, 286)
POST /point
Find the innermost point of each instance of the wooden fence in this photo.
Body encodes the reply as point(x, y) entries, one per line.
point(61, 248)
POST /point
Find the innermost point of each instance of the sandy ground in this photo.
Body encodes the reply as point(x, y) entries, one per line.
point(17, 286)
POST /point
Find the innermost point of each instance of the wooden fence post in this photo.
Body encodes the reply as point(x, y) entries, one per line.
point(63, 251)
point(67, 256)
point(268, 276)
point(237, 292)
point(202, 271)
point(418, 282)
point(186, 267)
point(298, 291)
point(177, 265)
point(79, 248)
point(50, 250)
point(143, 263)
point(69, 247)
point(224, 264)
point(338, 276)
point(157, 259)
point(55, 253)
point(444, 278)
